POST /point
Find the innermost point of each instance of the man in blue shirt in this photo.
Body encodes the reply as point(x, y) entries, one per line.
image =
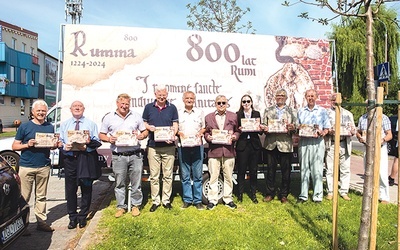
point(35, 162)
point(80, 162)
point(312, 147)
point(161, 154)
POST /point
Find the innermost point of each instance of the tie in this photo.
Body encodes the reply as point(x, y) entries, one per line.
point(77, 125)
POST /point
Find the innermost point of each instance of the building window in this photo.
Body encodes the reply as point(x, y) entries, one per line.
point(14, 43)
point(23, 76)
point(33, 78)
point(22, 107)
point(12, 74)
point(1, 100)
point(23, 47)
point(32, 51)
point(12, 101)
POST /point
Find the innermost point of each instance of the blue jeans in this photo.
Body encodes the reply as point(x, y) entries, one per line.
point(191, 164)
point(122, 166)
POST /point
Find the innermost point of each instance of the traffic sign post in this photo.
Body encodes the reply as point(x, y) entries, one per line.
point(383, 72)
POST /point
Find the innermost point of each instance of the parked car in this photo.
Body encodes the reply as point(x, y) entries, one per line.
point(12, 157)
point(14, 211)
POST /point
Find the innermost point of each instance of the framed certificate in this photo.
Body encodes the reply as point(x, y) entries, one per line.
point(162, 134)
point(46, 140)
point(77, 138)
point(345, 130)
point(190, 141)
point(221, 137)
point(277, 126)
point(307, 130)
point(125, 138)
point(250, 124)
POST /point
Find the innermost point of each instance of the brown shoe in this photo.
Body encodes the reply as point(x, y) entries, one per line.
point(135, 211)
point(44, 228)
point(284, 200)
point(120, 212)
point(385, 202)
point(268, 198)
point(346, 197)
point(329, 197)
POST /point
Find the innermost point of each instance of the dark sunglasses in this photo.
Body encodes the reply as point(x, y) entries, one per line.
point(246, 101)
point(221, 103)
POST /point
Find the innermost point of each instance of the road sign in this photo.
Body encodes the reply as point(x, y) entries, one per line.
point(383, 72)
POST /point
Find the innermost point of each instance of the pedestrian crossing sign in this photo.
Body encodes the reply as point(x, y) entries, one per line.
point(383, 72)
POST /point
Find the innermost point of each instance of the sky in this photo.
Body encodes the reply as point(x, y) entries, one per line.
point(269, 17)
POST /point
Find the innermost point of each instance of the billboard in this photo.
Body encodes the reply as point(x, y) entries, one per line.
point(101, 62)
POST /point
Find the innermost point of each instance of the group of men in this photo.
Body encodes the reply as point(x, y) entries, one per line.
point(188, 127)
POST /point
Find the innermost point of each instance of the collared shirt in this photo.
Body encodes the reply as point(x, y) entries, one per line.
point(363, 123)
point(280, 112)
point(190, 123)
point(84, 124)
point(315, 116)
point(220, 119)
point(113, 122)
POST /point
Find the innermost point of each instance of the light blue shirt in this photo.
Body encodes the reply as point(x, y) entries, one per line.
point(316, 116)
point(84, 124)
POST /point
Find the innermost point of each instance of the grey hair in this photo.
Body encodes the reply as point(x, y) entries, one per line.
point(39, 102)
point(160, 87)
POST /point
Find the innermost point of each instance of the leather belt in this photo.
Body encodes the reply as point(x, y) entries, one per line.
point(127, 153)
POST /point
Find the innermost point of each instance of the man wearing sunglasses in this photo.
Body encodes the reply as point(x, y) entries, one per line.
point(221, 154)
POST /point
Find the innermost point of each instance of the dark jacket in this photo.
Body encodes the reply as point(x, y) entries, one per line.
point(254, 137)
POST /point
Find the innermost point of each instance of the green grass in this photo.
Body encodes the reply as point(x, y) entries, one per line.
point(7, 134)
point(251, 226)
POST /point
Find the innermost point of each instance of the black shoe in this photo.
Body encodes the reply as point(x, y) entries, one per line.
point(240, 198)
point(231, 205)
point(185, 205)
point(167, 206)
point(82, 223)
point(72, 224)
point(254, 199)
point(391, 181)
point(210, 206)
point(199, 206)
point(300, 201)
point(154, 207)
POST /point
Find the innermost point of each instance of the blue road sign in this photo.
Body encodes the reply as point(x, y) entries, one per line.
point(383, 72)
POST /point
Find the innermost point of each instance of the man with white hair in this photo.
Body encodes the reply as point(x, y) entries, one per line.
point(34, 169)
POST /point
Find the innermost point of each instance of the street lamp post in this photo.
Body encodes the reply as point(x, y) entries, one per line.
point(386, 40)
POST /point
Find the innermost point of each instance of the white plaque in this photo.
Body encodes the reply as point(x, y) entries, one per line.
point(162, 134)
point(250, 124)
point(190, 141)
point(125, 138)
point(221, 137)
point(46, 140)
point(277, 126)
point(306, 130)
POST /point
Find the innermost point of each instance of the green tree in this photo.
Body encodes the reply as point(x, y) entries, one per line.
point(350, 39)
point(367, 11)
point(218, 15)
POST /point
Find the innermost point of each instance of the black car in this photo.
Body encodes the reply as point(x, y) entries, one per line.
point(14, 211)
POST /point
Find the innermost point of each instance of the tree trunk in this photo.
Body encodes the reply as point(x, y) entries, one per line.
point(365, 223)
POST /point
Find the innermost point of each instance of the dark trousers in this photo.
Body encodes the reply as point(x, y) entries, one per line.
point(71, 188)
point(275, 157)
point(247, 159)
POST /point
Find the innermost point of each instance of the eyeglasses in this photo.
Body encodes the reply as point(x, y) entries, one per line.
point(280, 95)
point(221, 103)
point(246, 101)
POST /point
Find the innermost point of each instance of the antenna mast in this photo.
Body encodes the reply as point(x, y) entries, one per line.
point(74, 8)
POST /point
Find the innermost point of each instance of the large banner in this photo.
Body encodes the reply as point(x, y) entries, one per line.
point(101, 62)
